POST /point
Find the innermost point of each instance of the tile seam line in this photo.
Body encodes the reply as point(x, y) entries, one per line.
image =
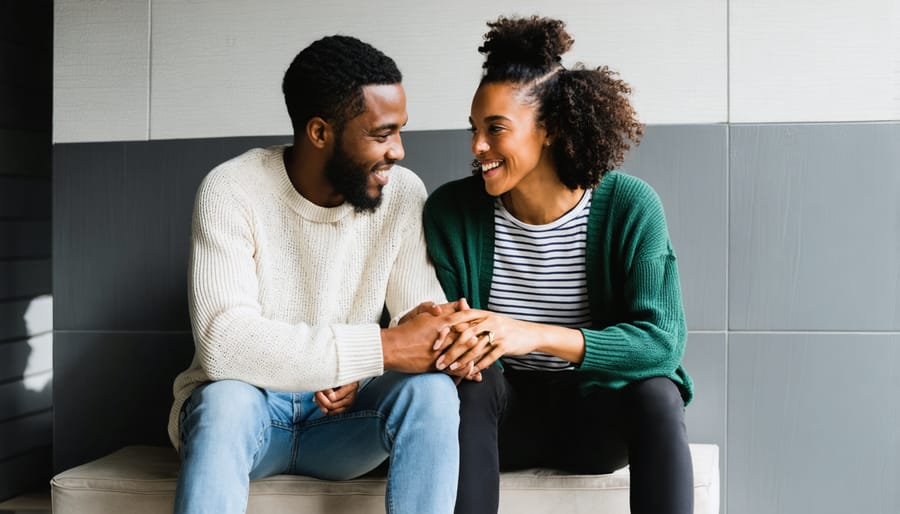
point(105, 331)
point(818, 332)
point(149, 65)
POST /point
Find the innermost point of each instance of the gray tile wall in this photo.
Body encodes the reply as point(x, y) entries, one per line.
point(25, 281)
point(787, 237)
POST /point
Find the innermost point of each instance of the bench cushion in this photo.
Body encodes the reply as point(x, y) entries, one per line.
point(141, 480)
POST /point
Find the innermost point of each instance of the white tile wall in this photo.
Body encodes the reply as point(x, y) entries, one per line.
point(100, 70)
point(814, 60)
point(215, 67)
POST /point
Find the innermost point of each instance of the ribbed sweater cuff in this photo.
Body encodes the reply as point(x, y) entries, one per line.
point(359, 352)
point(603, 353)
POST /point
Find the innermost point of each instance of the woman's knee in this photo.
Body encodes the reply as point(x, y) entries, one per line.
point(483, 399)
point(656, 398)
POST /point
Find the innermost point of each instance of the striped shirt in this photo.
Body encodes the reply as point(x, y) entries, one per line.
point(539, 276)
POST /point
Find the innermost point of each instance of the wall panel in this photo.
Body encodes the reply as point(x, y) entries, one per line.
point(812, 423)
point(118, 391)
point(809, 60)
point(101, 66)
point(815, 227)
point(217, 68)
point(687, 165)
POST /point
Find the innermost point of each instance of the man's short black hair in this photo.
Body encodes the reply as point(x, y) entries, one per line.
point(326, 80)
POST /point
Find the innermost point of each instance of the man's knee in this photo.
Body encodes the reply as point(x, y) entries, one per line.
point(430, 397)
point(226, 406)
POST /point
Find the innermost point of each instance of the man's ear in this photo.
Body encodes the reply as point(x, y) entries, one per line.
point(319, 132)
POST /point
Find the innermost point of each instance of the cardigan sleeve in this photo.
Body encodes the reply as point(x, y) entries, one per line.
point(651, 342)
point(647, 335)
point(449, 243)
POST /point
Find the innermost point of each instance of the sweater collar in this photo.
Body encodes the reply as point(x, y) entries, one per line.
point(297, 202)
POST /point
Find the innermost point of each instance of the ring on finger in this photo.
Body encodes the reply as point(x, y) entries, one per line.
point(490, 336)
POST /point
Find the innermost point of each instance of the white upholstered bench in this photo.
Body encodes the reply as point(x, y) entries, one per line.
point(141, 480)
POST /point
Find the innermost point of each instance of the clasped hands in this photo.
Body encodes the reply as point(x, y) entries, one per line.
point(450, 337)
point(468, 341)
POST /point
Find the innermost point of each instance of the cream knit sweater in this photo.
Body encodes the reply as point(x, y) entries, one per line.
point(285, 294)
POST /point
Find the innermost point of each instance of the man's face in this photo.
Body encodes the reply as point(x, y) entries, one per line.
point(368, 146)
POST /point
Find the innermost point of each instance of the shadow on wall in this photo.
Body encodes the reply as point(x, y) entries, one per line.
point(26, 383)
point(27, 376)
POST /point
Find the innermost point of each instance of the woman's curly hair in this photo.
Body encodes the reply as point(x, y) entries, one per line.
point(326, 79)
point(586, 111)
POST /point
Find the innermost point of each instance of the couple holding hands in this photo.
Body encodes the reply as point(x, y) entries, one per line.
point(557, 329)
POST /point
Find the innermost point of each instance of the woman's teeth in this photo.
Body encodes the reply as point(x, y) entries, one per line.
point(488, 166)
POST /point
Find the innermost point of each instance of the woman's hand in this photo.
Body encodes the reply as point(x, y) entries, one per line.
point(337, 399)
point(484, 336)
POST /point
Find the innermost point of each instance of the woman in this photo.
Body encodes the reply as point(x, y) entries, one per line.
point(571, 278)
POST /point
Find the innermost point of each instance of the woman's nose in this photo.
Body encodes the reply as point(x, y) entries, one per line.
point(479, 145)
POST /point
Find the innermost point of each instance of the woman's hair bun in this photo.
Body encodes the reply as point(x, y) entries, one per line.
point(534, 42)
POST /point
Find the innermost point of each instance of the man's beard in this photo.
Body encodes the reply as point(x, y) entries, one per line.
point(350, 179)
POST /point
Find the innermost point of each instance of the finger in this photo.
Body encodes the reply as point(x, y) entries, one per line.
point(323, 401)
point(343, 403)
point(432, 308)
point(473, 331)
point(452, 354)
point(489, 359)
point(441, 340)
point(469, 358)
point(463, 317)
point(446, 308)
point(345, 390)
point(464, 304)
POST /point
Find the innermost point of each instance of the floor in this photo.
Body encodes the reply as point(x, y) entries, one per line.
point(37, 502)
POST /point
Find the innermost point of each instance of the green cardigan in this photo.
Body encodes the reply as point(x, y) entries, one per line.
point(638, 328)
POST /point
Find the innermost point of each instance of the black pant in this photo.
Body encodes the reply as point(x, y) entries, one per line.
point(517, 420)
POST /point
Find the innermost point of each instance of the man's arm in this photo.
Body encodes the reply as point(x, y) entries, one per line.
point(233, 339)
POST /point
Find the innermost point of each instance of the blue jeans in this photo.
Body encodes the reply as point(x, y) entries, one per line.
point(232, 432)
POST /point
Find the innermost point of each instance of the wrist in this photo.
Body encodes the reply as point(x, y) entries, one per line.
point(387, 339)
point(563, 342)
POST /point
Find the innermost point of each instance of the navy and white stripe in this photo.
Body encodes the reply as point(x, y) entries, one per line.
point(539, 276)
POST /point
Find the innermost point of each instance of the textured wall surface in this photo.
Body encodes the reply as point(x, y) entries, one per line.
point(772, 140)
point(26, 307)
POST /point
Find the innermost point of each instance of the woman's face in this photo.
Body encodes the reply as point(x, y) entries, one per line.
point(507, 141)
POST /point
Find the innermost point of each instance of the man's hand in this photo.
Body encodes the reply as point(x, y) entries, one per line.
point(430, 308)
point(413, 345)
point(410, 346)
point(337, 399)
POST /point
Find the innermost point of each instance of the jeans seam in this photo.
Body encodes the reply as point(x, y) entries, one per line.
point(343, 416)
point(259, 439)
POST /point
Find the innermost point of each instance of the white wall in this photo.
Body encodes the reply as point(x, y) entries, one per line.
point(137, 70)
point(141, 69)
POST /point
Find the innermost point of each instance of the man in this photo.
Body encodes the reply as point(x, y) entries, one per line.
point(295, 251)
